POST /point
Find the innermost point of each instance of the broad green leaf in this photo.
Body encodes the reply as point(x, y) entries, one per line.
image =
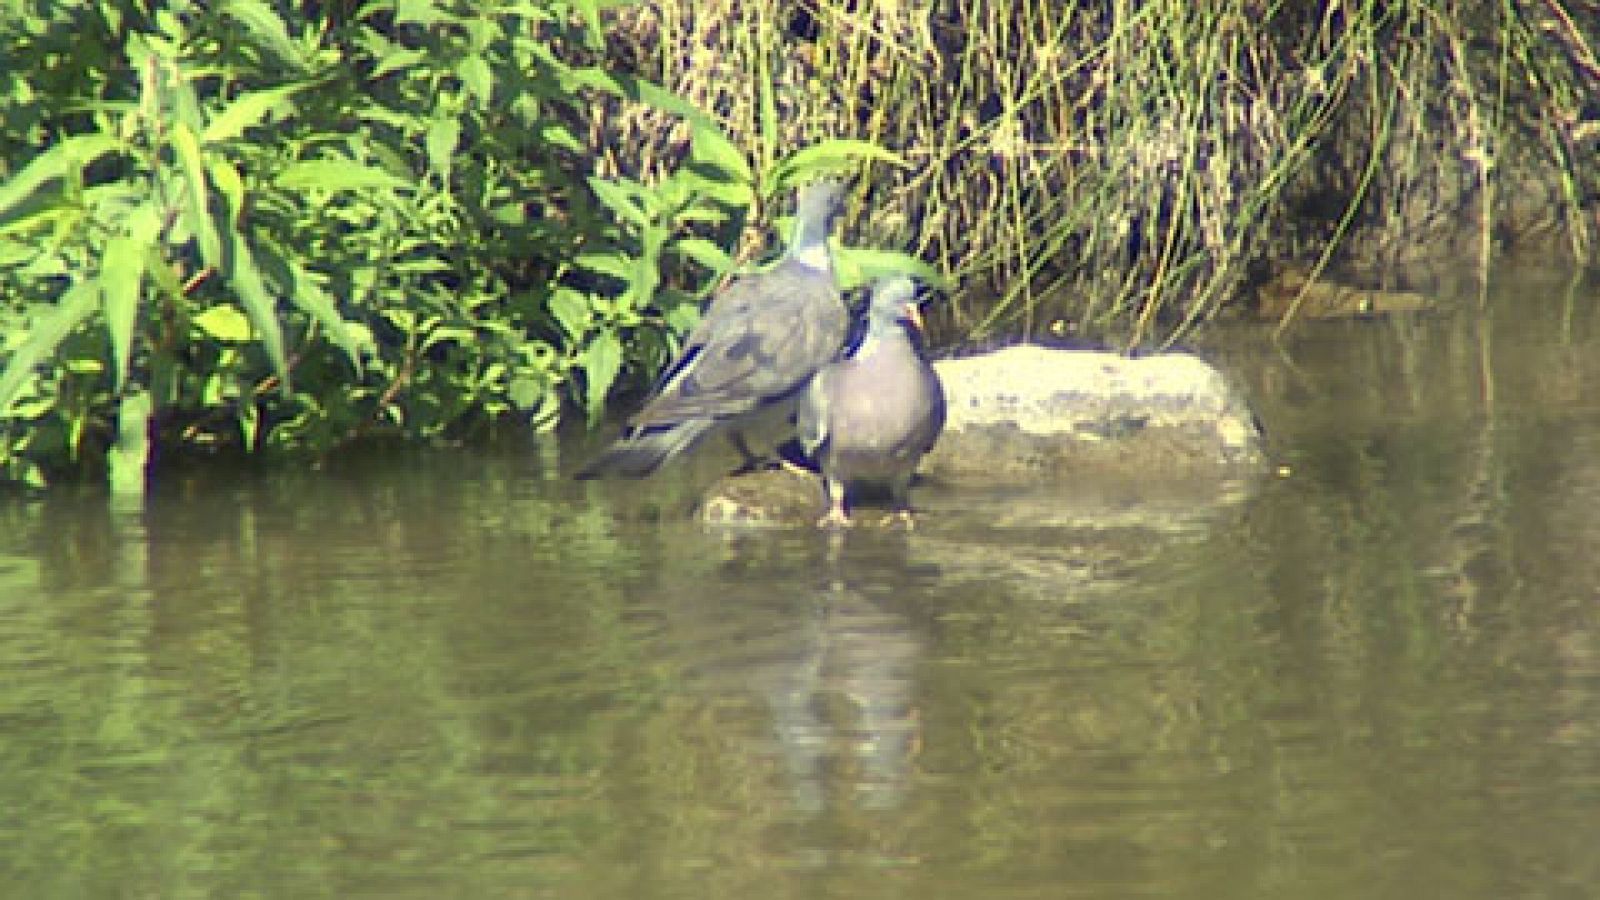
point(525, 392)
point(182, 100)
point(613, 264)
point(730, 194)
point(444, 135)
point(336, 175)
point(225, 323)
point(573, 79)
point(570, 309)
point(197, 211)
point(245, 112)
point(45, 334)
point(121, 277)
point(70, 153)
point(602, 360)
point(713, 148)
point(558, 134)
point(229, 184)
point(309, 296)
point(593, 32)
point(859, 266)
point(130, 456)
point(623, 199)
point(418, 12)
point(681, 317)
point(269, 32)
point(252, 291)
point(828, 157)
point(705, 253)
point(478, 78)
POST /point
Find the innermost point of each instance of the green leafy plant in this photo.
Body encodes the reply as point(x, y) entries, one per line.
point(667, 250)
point(223, 228)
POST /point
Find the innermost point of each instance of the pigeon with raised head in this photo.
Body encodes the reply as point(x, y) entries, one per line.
point(759, 342)
point(871, 417)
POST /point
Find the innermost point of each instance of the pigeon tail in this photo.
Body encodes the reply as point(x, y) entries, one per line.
point(641, 452)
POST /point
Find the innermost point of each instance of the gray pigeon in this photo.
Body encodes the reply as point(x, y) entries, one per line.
point(871, 417)
point(761, 339)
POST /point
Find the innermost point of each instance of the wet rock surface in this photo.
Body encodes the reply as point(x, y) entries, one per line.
point(1032, 413)
point(1116, 435)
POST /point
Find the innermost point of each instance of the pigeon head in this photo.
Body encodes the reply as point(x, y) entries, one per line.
point(894, 302)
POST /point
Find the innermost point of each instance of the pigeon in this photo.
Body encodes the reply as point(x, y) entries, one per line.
point(742, 367)
point(871, 417)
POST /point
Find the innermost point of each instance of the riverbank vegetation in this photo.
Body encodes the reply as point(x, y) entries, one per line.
point(251, 226)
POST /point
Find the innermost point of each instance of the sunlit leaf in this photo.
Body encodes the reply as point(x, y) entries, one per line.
point(121, 276)
point(478, 78)
point(336, 175)
point(197, 211)
point(713, 148)
point(827, 158)
point(45, 333)
point(229, 184)
point(730, 194)
point(614, 264)
point(593, 32)
point(559, 134)
point(573, 79)
point(182, 100)
point(621, 198)
point(418, 12)
point(245, 112)
point(309, 296)
point(859, 266)
point(570, 309)
point(443, 137)
point(602, 360)
point(224, 322)
point(66, 155)
point(524, 392)
point(269, 32)
point(252, 291)
point(705, 253)
point(398, 59)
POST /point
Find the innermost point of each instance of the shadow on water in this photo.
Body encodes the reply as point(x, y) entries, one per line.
point(464, 675)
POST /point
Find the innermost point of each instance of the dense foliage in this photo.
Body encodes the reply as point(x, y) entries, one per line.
point(222, 226)
point(269, 227)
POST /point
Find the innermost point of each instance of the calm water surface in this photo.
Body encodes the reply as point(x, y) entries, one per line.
point(466, 676)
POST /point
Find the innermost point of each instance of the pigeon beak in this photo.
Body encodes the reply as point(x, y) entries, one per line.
point(914, 314)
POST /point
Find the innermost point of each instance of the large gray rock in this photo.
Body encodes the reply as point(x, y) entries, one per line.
point(1029, 413)
point(1053, 438)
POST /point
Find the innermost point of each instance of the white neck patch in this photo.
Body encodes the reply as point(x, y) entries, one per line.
point(814, 256)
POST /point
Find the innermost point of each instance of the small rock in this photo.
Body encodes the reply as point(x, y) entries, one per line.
point(771, 498)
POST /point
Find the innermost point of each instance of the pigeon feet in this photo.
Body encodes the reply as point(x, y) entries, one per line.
point(900, 517)
point(835, 518)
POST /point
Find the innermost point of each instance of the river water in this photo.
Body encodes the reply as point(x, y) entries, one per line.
point(1372, 673)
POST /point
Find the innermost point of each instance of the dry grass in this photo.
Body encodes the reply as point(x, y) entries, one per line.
point(1113, 170)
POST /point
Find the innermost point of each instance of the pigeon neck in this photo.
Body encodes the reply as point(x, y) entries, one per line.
point(809, 241)
point(879, 336)
point(810, 250)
